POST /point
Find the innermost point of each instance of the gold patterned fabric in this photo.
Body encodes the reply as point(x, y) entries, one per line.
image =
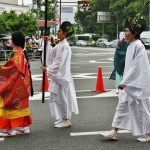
point(15, 86)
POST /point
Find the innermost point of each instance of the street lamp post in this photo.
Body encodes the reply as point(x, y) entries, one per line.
point(117, 26)
point(22, 2)
point(56, 14)
point(149, 16)
point(38, 22)
point(60, 13)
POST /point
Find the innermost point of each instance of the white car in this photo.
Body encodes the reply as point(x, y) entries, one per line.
point(114, 43)
point(146, 42)
point(103, 43)
point(81, 43)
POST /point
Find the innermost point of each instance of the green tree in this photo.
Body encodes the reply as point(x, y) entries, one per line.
point(88, 20)
point(121, 8)
point(50, 14)
point(2, 25)
point(11, 22)
point(28, 24)
point(129, 8)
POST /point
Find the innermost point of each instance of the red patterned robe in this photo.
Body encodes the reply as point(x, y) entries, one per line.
point(14, 92)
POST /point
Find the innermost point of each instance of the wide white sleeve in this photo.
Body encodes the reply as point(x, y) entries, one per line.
point(57, 69)
point(137, 79)
point(132, 76)
point(49, 53)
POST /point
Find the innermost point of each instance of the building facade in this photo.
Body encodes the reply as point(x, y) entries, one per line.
point(7, 5)
point(14, 2)
point(68, 13)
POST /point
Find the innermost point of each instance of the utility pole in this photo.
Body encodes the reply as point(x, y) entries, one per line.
point(56, 14)
point(149, 16)
point(38, 8)
point(117, 26)
point(60, 13)
point(103, 30)
point(38, 22)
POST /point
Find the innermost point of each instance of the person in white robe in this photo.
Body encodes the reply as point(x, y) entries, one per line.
point(133, 109)
point(63, 101)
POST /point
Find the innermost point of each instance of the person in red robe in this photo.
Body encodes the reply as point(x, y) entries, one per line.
point(15, 89)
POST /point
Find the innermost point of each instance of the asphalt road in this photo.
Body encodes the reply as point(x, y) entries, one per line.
point(96, 110)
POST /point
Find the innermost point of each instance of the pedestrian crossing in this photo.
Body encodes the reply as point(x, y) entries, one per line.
point(38, 77)
point(110, 93)
point(95, 133)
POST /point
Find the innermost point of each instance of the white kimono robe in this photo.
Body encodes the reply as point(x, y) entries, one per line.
point(63, 100)
point(133, 110)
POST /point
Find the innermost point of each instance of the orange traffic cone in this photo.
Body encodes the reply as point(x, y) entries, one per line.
point(46, 84)
point(99, 85)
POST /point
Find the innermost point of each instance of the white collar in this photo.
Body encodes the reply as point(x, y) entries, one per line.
point(63, 41)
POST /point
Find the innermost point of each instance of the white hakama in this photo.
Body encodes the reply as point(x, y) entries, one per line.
point(63, 101)
point(62, 105)
point(133, 110)
point(134, 116)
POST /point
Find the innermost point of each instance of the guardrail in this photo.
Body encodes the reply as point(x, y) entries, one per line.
point(3, 54)
point(32, 54)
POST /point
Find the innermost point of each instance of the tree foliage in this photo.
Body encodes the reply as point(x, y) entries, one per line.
point(40, 12)
point(50, 13)
point(129, 8)
point(11, 22)
point(27, 23)
point(121, 8)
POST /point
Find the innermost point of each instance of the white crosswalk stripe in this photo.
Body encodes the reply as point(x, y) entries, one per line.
point(110, 93)
point(38, 77)
point(1, 139)
point(95, 133)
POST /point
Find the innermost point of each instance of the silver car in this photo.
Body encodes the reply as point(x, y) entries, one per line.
point(146, 42)
point(81, 43)
point(114, 43)
point(103, 43)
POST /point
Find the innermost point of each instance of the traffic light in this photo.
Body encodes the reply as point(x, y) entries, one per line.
point(88, 7)
point(84, 5)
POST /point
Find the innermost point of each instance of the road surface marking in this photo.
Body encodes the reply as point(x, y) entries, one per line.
point(92, 61)
point(38, 77)
point(110, 93)
point(91, 54)
point(92, 48)
point(38, 96)
point(95, 133)
point(1, 139)
point(85, 63)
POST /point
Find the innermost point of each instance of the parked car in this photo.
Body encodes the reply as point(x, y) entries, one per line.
point(81, 43)
point(146, 42)
point(71, 43)
point(89, 43)
point(114, 43)
point(103, 43)
point(2, 35)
